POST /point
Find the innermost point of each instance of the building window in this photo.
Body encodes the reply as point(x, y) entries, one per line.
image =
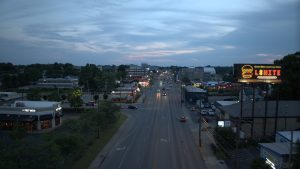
point(46, 124)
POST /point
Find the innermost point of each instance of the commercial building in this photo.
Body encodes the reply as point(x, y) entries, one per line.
point(67, 82)
point(192, 94)
point(209, 74)
point(32, 115)
point(136, 72)
point(277, 154)
point(264, 123)
point(6, 96)
point(191, 73)
point(125, 94)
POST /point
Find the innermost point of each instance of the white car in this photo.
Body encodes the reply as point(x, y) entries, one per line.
point(204, 112)
point(211, 112)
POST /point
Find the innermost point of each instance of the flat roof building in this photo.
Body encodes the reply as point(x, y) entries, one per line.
point(6, 96)
point(32, 115)
point(276, 154)
point(192, 94)
point(288, 117)
point(67, 82)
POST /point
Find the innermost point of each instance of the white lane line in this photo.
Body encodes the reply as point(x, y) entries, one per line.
point(164, 140)
point(120, 148)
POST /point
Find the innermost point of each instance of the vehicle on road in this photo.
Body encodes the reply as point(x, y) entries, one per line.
point(193, 108)
point(90, 103)
point(164, 94)
point(132, 107)
point(182, 118)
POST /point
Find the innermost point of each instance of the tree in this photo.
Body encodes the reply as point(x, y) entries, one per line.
point(7, 67)
point(290, 87)
point(88, 76)
point(110, 110)
point(9, 81)
point(35, 95)
point(105, 96)
point(186, 80)
point(259, 163)
point(63, 97)
point(96, 97)
point(68, 69)
point(122, 71)
point(75, 98)
point(225, 137)
point(54, 96)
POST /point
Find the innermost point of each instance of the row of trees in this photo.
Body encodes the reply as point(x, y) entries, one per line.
point(290, 87)
point(57, 149)
point(90, 76)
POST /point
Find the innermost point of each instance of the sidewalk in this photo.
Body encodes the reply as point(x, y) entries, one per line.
point(207, 139)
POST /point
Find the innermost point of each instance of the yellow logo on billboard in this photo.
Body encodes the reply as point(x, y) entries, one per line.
point(247, 71)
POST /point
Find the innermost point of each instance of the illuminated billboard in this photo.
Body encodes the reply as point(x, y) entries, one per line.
point(257, 73)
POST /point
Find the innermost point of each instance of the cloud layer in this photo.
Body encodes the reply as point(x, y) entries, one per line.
point(163, 32)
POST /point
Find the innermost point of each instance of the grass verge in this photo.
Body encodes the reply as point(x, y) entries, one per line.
point(91, 152)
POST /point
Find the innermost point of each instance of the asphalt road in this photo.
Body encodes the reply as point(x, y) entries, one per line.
point(153, 137)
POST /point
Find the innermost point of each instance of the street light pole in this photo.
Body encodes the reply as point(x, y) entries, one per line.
point(181, 93)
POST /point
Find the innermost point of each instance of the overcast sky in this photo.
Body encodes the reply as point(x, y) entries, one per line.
point(159, 32)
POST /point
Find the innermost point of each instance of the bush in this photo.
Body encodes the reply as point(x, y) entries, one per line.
point(69, 144)
point(225, 137)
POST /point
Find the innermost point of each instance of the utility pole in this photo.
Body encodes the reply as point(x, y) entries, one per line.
point(252, 111)
point(200, 124)
point(238, 128)
point(181, 93)
point(266, 109)
point(276, 110)
point(291, 150)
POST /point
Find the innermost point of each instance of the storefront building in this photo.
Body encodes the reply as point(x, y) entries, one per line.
point(277, 154)
point(32, 115)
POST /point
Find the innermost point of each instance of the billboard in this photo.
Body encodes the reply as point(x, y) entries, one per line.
point(257, 73)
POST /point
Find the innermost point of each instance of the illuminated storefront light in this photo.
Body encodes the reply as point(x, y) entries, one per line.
point(29, 110)
point(58, 109)
point(270, 163)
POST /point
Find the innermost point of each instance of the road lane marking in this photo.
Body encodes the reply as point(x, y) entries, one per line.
point(120, 148)
point(163, 140)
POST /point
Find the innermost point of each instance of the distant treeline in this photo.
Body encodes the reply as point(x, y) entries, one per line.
point(90, 76)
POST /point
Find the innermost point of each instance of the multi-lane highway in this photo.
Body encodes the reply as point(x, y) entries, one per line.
point(153, 137)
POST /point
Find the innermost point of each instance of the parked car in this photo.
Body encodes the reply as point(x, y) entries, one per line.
point(204, 112)
point(211, 112)
point(132, 107)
